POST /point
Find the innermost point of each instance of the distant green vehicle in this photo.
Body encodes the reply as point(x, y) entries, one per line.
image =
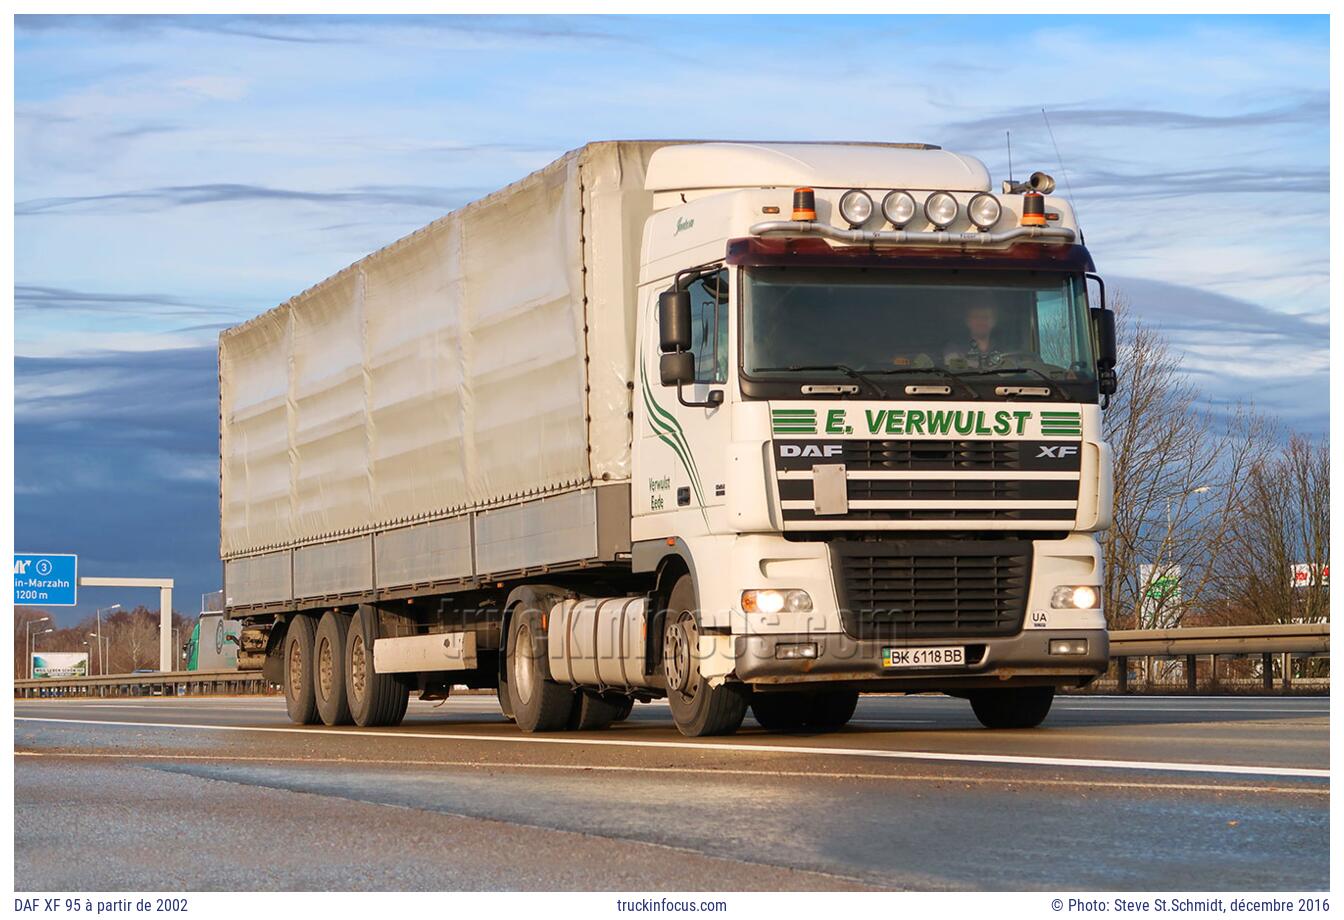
point(219, 650)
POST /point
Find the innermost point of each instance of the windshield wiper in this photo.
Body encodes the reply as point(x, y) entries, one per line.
point(842, 368)
point(932, 371)
point(1053, 385)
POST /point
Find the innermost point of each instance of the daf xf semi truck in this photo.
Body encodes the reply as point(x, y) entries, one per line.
point(745, 426)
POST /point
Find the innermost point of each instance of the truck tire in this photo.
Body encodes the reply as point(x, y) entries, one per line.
point(594, 710)
point(832, 709)
point(786, 711)
point(697, 708)
point(1012, 707)
point(502, 692)
point(539, 703)
point(375, 699)
point(329, 668)
point(300, 697)
point(791, 710)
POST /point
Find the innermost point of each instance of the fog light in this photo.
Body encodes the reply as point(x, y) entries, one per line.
point(1068, 646)
point(856, 207)
point(984, 211)
point(769, 600)
point(941, 209)
point(797, 650)
point(899, 208)
point(1074, 597)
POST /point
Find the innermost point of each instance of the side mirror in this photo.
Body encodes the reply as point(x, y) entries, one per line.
point(674, 321)
point(1103, 321)
point(676, 368)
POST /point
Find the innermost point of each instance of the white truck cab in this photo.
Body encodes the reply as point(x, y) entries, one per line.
point(863, 496)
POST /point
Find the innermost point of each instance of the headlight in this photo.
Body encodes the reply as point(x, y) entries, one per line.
point(1075, 597)
point(899, 208)
point(856, 207)
point(984, 211)
point(941, 209)
point(770, 600)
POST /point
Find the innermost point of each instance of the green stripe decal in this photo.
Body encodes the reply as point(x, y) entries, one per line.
point(668, 430)
point(793, 421)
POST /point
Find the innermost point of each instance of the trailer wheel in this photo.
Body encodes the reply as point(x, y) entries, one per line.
point(1012, 707)
point(594, 710)
point(697, 708)
point(375, 699)
point(329, 668)
point(300, 696)
point(539, 703)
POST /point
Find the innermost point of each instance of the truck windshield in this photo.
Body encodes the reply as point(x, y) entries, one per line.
point(896, 327)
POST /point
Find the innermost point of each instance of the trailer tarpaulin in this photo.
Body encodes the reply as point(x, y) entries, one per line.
point(470, 364)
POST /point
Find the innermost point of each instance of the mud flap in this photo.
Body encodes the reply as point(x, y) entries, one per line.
point(716, 658)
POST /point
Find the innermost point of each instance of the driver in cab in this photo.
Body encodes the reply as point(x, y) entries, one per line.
point(979, 349)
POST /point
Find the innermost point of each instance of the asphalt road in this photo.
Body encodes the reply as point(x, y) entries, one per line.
point(1137, 793)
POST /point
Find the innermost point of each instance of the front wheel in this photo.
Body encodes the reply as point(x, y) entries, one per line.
point(795, 710)
point(697, 708)
point(1012, 707)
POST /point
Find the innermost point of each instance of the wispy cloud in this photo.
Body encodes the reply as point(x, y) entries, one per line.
point(1232, 180)
point(1313, 110)
point(179, 196)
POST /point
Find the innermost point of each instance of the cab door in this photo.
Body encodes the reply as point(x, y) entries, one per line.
point(680, 449)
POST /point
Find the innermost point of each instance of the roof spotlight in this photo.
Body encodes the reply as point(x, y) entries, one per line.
point(856, 207)
point(899, 208)
point(941, 209)
point(984, 211)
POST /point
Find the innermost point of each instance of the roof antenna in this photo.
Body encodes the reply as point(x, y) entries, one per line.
point(1062, 170)
point(1009, 136)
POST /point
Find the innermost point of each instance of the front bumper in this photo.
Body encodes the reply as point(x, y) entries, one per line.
point(1023, 659)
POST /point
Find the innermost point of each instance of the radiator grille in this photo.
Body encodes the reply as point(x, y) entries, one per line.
point(932, 589)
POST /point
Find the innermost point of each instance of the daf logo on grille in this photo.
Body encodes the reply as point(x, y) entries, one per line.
point(811, 450)
point(1058, 451)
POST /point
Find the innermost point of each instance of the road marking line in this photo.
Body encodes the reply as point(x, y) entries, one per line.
point(1208, 710)
point(713, 771)
point(1019, 760)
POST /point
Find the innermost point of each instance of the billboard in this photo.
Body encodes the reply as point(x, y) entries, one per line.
point(1307, 575)
point(1161, 595)
point(59, 664)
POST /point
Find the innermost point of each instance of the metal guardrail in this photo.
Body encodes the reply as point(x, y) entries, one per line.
point(1188, 642)
point(1296, 638)
point(166, 683)
point(1288, 640)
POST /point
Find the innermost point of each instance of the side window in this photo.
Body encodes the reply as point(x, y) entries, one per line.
point(709, 327)
point(1054, 328)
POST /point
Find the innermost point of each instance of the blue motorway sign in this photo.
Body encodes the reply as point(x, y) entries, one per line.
point(46, 579)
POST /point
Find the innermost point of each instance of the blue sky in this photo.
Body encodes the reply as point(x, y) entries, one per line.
point(175, 175)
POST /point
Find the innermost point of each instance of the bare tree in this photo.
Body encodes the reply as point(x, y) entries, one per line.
point(1283, 522)
point(1181, 472)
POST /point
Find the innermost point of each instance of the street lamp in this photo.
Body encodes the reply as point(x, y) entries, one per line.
point(102, 667)
point(41, 632)
point(28, 640)
point(1159, 570)
point(101, 660)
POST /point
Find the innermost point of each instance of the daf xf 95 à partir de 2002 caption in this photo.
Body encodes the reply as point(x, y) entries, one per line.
point(742, 425)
